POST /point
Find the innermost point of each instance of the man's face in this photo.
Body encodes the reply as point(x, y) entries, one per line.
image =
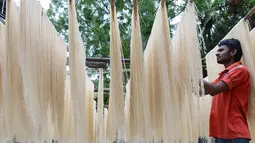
point(223, 54)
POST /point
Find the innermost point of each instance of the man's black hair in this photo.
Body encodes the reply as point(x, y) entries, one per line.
point(233, 44)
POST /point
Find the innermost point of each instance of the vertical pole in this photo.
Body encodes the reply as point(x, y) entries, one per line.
point(135, 9)
point(250, 13)
point(163, 3)
point(3, 5)
point(112, 7)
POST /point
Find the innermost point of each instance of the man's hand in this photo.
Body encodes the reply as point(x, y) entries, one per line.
point(215, 89)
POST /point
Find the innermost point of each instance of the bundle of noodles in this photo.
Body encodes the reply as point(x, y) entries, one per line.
point(159, 79)
point(77, 76)
point(94, 121)
point(116, 101)
point(3, 133)
point(16, 121)
point(205, 102)
point(46, 71)
point(68, 119)
point(128, 112)
point(137, 109)
point(100, 109)
point(105, 122)
point(253, 37)
point(58, 84)
point(30, 60)
point(205, 107)
point(189, 74)
point(89, 110)
point(252, 112)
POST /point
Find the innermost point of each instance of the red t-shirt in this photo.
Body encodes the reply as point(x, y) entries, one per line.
point(228, 117)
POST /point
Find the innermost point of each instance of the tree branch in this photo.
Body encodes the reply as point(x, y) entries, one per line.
point(105, 6)
point(108, 11)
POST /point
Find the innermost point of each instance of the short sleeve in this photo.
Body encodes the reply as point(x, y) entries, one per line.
point(215, 82)
point(236, 77)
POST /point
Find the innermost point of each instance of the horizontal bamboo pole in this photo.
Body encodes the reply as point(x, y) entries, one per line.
point(250, 13)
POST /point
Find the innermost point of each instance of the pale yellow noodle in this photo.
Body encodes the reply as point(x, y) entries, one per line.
point(138, 112)
point(116, 102)
point(77, 77)
point(16, 120)
point(159, 79)
point(30, 59)
point(58, 76)
point(100, 109)
point(68, 119)
point(127, 111)
point(253, 37)
point(3, 133)
point(105, 123)
point(89, 111)
point(188, 75)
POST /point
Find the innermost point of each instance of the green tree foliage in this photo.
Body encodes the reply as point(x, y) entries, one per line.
point(94, 25)
point(217, 17)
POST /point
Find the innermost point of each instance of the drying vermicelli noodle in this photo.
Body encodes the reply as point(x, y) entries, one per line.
point(94, 120)
point(52, 76)
point(116, 102)
point(137, 109)
point(45, 69)
point(127, 112)
point(158, 77)
point(205, 108)
point(12, 80)
point(100, 109)
point(253, 37)
point(77, 76)
point(58, 85)
point(42, 61)
point(30, 37)
point(58, 76)
point(189, 73)
point(68, 119)
point(105, 123)
point(89, 110)
point(3, 133)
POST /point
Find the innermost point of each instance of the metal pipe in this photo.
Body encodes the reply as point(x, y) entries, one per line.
point(3, 7)
point(250, 13)
point(96, 59)
point(96, 62)
point(105, 90)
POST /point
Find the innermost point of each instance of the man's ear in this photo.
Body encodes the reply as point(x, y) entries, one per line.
point(233, 52)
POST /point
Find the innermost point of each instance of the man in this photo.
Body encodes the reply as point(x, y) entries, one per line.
point(228, 122)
